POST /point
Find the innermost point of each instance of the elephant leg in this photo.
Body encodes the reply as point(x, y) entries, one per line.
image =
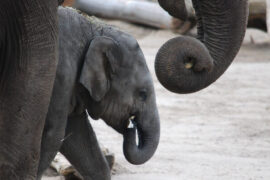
point(81, 148)
point(55, 124)
point(52, 137)
point(28, 58)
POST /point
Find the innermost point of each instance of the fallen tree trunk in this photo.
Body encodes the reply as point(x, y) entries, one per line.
point(257, 14)
point(63, 167)
point(268, 15)
point(142, 12)
point(257, 7)
point(151, 14)
point(68, 3)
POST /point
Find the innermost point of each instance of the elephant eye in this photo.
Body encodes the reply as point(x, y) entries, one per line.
point(143, 95)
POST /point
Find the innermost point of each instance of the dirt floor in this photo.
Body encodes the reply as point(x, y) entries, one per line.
point(220, 133)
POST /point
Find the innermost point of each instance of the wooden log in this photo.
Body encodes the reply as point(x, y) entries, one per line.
point(63, 167)
point(150, 13)
point(268, 16)
point(68, 3)
point(143, 12)
point(257, 7)
point(257, 14)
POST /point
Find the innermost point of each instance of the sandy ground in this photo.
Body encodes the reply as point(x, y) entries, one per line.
point(220, 133)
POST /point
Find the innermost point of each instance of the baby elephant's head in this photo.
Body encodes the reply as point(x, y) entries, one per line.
point(121, 92)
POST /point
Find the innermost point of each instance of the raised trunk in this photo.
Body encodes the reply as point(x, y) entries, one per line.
point(148, 129)
point(175, 8)
point(28, 44)
point(186, 65)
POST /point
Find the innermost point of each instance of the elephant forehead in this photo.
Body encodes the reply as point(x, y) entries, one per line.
point(139, 77)
point(129, 42)
point(125, 40)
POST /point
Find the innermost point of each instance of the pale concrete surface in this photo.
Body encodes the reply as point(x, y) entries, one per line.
point(220, 133)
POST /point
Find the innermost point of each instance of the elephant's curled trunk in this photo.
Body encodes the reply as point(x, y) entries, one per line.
point(148, 139)
point(185, 64)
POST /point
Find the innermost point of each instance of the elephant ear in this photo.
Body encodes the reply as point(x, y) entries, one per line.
point(101, 61)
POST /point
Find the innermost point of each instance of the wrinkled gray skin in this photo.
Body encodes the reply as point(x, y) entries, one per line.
point(186, 65)
point(103, 70)
point(28, 59)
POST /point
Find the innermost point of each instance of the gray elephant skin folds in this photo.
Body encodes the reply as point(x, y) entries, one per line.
point(101, 70)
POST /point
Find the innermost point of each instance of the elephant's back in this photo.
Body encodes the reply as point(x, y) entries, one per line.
point(70, 23)
point(73, 34)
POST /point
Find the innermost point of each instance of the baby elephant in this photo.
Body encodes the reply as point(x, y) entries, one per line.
point(101, 70)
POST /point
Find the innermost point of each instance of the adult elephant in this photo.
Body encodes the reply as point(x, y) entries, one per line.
point(28, 58)
point(186, 65)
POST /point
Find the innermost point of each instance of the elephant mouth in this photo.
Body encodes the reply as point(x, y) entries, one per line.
point(133, 124)
point(141, 137)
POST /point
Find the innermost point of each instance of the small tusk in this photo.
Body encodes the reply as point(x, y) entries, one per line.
point(132, 118)
point(130, 124)
point(137, 138)
point(188, 65)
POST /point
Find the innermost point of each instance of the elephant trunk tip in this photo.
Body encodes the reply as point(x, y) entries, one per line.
point(140, 152)
point(181, 62)
point(176, 9)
